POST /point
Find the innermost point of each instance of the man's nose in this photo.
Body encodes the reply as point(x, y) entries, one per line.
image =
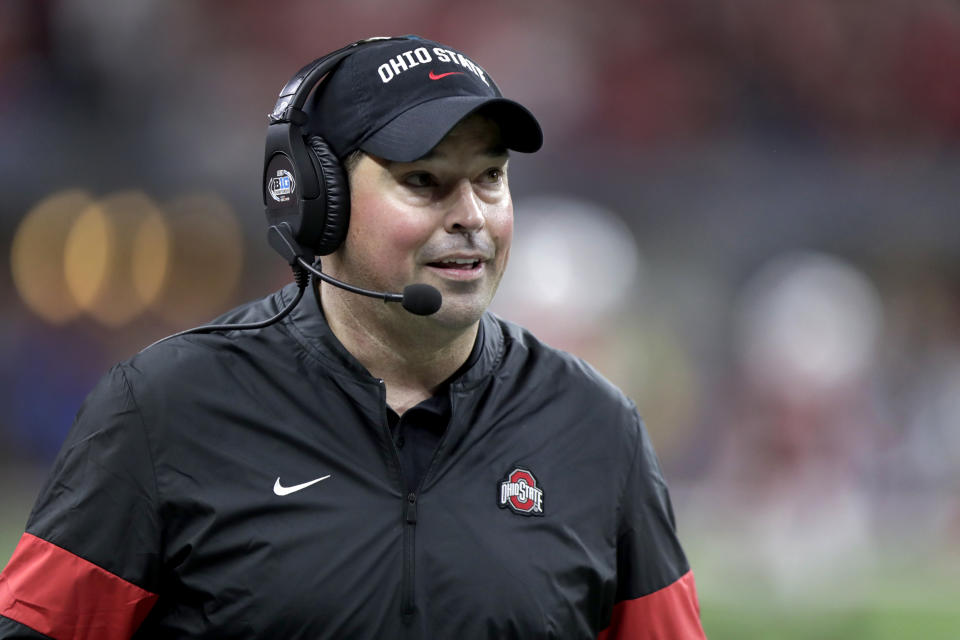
point(466, 211)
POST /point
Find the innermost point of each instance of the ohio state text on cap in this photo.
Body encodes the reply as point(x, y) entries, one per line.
point(397, 99)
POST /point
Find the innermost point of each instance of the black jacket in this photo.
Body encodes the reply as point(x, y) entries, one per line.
point(169, 512)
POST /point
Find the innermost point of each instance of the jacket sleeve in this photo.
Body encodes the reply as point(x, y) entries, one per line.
point(87, 564)
point(656, 596)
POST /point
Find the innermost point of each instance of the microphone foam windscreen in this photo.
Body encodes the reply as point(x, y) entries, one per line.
point(421, 299)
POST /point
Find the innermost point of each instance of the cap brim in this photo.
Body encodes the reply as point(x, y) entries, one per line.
point(416, 131)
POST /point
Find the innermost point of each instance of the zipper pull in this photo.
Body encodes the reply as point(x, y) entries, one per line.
point(411, 508)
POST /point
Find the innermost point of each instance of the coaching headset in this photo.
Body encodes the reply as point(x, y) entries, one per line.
point(305, 187)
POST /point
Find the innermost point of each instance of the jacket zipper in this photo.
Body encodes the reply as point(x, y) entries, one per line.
point(407, 585)
point(410, 521)
point(408, 606)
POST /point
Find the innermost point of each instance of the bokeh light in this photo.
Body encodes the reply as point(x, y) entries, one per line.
point(150, 257)
point(114, 257)
point(37, 255)
point(206, 259)
point(571, 261)
point(808, 322)
point(86, 256)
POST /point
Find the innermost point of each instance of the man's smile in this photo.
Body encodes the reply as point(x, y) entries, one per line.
point(458, 268)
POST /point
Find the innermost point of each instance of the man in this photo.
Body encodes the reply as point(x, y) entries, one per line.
point(355, 470)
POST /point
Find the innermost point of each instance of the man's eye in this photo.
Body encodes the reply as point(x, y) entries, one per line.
point(494, 174)
point(419, 180)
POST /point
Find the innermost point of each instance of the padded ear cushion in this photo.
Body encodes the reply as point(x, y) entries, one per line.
point(335, 190)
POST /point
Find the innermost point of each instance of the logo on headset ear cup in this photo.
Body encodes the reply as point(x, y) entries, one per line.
point(280, 188)
point(335, 190)
point(282, 185)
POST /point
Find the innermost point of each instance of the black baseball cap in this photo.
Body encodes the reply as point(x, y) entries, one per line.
point(397, 99)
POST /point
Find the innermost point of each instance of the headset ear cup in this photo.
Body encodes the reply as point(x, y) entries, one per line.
point(335, 190)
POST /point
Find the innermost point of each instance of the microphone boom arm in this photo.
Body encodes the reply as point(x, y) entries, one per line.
point(418, 299)
point(386, 297)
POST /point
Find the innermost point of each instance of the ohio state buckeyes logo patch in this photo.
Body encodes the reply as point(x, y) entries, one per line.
point(520, 493)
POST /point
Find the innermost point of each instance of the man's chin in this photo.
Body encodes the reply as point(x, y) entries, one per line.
point(457, 313)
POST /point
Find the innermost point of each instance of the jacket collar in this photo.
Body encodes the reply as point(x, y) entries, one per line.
point(309, 328)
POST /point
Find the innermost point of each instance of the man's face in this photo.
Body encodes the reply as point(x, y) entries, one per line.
point(445, 220)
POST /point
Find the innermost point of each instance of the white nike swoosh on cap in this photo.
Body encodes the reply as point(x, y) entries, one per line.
point(281, 490)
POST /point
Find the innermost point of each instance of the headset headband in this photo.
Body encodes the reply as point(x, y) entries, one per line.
point(294, 93)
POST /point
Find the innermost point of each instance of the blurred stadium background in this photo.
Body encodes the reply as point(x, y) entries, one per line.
point(745, 214)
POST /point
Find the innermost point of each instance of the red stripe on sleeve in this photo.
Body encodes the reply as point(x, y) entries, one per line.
point(672, 613)
point(59, 594)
